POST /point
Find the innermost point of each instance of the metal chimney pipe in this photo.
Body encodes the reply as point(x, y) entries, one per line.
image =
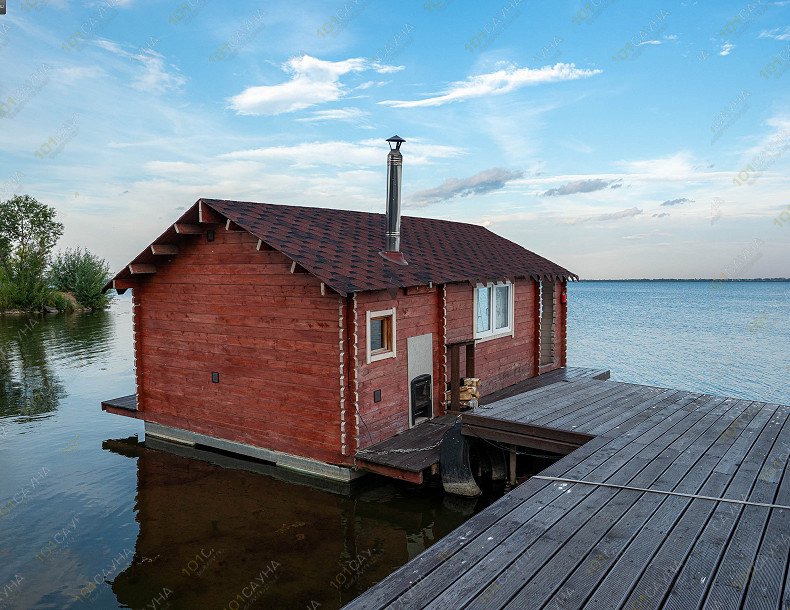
point(394, 173)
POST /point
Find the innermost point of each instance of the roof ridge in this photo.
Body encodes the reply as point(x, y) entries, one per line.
point(207, 200)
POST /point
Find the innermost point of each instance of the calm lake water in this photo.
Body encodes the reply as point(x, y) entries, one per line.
point(82, 501)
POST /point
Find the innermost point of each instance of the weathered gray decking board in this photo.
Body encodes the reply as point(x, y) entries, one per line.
point(124, 402)
point(552, 544)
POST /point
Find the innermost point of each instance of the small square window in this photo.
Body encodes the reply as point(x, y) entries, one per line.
point(381, 335)
point(378, 334)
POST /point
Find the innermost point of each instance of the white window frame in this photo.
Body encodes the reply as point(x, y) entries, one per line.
point(381, 355)
point(495, 333)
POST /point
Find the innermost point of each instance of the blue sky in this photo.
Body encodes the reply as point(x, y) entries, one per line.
point(620, 139)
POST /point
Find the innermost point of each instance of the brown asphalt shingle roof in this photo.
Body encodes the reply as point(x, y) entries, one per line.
point(341, 247)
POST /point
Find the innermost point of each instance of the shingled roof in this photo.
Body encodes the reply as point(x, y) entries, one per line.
point(341, 247)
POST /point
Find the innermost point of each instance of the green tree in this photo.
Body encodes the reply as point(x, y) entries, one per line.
point(28, 232)
point(23, 280)
point(27, 224)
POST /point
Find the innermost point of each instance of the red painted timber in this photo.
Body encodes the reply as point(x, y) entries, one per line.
point(224, 306)
point(393, 473)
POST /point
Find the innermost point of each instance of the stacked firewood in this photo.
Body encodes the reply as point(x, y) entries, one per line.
point(470, 393)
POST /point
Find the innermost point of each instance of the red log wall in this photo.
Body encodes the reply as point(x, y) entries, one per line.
point(417, 313)
point(224, 306)
point(503, 361)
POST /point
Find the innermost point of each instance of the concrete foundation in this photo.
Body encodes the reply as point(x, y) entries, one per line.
point(284, 460)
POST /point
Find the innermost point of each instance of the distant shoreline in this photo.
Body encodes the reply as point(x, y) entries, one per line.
point(762, 279)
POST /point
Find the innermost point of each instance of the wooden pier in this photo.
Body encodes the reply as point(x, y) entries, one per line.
point(678, 500)
point(409, 455)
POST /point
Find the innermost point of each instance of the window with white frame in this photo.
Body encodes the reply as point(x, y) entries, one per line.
point(381, 335)
point(493, 309)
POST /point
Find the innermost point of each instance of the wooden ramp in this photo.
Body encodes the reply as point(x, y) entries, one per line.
point(406, 456)
point(681, 501)
point(410, 454)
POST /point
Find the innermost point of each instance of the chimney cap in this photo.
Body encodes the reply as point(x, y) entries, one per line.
point(397, 140)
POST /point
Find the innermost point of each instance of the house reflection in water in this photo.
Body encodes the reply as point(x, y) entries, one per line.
point(211, 534)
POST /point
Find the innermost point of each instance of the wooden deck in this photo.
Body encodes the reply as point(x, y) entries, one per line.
point(571, 373)
point(125, 405)
point(409, 454)
point(681, 501)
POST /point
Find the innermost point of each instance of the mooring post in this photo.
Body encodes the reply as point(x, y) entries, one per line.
point(513, 466)
point(470, 359)
point(455, 378)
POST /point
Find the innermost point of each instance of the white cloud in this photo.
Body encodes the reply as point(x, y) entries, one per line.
point(776, 33)
point(75, 73)
point(677, 166)
point(629, 213)
point(341, 153)
point(371, 83)
point(582, 186)
point(497, 83)
point(726, 48)
point(313, 81)
point(482, 182)
point(156, 77)
point(678, 201)
point(351, 115)
point(653, 42)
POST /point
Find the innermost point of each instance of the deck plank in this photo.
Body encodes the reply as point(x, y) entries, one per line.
point(128, 403)
point(679, 475)
point(735, 571)
point(510, 511)
point(671, 555)
point(688, 433)
point(614, 582)
point(600, 463)
point(557, 376)
point(771, 566)
point(565, 545)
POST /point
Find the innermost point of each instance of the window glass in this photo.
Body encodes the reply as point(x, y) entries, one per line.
point(483, 309)
point(377, 334)
point(502, 313)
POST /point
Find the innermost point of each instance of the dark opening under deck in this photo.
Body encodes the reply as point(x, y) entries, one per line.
point(681, 501)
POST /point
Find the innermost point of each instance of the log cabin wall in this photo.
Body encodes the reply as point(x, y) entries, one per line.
point(225, 307)
point(506, 360)
point(558, 336)
point(561, 347)
point(417, 312)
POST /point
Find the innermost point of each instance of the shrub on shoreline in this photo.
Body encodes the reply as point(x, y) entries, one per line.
point(82, 274)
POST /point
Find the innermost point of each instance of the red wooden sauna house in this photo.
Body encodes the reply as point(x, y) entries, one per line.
point(305, 336)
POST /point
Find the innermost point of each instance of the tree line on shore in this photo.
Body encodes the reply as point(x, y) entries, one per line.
point(35, 278)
